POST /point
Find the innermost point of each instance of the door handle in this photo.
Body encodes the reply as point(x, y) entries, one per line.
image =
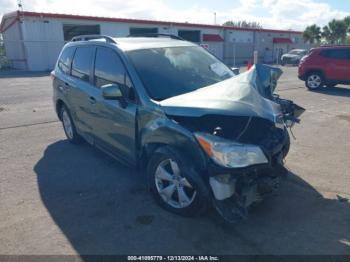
point(92, 100)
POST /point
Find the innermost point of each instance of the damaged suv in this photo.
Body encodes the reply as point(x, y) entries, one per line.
point(204, 135)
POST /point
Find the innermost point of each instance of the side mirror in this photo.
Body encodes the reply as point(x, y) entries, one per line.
point(113, 92)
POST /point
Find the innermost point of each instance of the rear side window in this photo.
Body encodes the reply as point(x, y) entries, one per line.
point(82, 63)
point(65, 60)
point(340, 54)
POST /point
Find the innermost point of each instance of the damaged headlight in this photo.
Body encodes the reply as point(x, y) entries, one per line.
point(279, 121)
point(228, 153)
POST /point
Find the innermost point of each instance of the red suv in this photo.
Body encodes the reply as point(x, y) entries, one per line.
point(326, 65)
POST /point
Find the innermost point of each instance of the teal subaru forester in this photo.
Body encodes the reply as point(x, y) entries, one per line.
point(202, 134)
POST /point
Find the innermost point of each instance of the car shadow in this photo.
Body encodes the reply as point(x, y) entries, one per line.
point(334, 91)
point(103, 207)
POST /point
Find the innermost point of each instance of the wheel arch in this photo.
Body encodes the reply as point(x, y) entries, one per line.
point(315, 70)
point(58, 107)
point(178, 138)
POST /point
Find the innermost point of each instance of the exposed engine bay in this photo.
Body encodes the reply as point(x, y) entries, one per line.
point(245, 111)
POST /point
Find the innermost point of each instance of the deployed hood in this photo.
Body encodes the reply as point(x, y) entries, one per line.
point(248, 94)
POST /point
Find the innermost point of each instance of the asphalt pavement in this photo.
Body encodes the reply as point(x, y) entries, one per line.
point(59, 198)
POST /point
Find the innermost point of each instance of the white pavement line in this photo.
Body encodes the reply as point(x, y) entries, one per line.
point(26, 125)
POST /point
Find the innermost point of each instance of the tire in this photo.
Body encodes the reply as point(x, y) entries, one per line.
point(184, 180)
point(69, 127)
point(287, 145)
point(314, 81)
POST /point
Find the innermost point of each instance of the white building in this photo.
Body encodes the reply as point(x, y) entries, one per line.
point(33, 40)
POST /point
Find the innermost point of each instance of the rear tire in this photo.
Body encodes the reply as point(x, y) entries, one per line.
point(175, 184)
point(314, 81)
point(69, 127)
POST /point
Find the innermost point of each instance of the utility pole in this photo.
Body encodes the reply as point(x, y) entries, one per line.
point(20, 6)
point(214, 18)
point(21, 28)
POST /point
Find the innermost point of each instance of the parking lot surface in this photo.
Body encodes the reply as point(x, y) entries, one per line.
point(59, 198)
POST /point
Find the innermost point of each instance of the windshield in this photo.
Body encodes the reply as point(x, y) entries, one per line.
point(172, 71)
point(297, 52)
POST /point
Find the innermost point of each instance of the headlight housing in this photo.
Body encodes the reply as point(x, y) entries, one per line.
point(228, 153)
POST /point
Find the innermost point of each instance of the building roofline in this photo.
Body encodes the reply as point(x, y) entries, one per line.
point(5, 17)
point(142, 21)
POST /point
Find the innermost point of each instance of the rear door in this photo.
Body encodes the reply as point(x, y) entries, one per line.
point(115, 125)
point(338, 64)
point(82, 90)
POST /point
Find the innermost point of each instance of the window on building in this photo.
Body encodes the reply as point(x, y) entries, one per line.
point(65, 60)
point(109, 69)
point(69, 31)
point(82, 63)
point(190, 35)
point(143, 31)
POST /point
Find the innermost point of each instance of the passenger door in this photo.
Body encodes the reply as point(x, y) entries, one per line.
point(115, 125)
point(82, 90)
point(338, 64)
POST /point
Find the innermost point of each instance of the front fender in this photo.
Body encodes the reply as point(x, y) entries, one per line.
point(161, 130)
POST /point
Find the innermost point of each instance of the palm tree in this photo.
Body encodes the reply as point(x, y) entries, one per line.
point(347, 22)
point(335, 31)
point(312, 34)
point(327, 35)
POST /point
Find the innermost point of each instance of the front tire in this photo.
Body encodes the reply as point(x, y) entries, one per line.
point(175, 184)
point(314, 81)
point(69, 127)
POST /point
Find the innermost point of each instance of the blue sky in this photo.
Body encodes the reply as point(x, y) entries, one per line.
point(277, 14)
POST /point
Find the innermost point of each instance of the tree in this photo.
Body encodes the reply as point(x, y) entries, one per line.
point(312, 34)
point(347, 22)
point(243, 24)
point(335, 32)
point(327, 35)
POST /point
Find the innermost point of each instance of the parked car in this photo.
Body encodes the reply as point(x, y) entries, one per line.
point(325, 66)
point(204, 135)
point(293, 57)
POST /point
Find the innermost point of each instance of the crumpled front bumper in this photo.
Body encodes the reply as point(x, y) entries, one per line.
point(233, 195)
point(235, 190)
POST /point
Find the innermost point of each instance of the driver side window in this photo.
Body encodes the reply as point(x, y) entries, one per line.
point(109, 69)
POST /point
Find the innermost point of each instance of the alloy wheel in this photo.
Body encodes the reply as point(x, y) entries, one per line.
point(174, 189)
point(314, 81)
point(67, 124)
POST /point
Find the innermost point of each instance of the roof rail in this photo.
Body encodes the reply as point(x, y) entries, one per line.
point(157, 35)
point(93, 37)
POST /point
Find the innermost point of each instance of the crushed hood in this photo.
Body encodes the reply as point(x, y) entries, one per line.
point(248, 94)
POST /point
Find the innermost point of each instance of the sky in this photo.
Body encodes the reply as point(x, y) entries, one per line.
point(274, 14)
